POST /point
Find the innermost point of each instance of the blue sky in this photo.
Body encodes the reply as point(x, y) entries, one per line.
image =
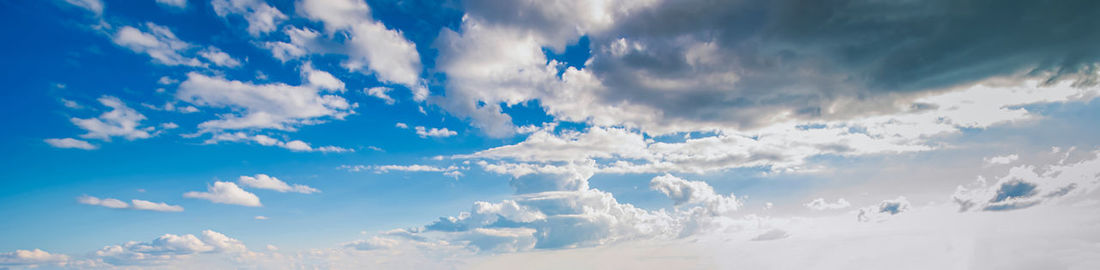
point(349, 134)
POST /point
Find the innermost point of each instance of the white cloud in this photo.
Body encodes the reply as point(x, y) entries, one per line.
point(1001, 160)
point(260, 218)
point(120, 121)
point(321, 79)
point(219, 58)
point(369, 44)
point(263, 181)
point(134, 204)
point(173, 3)
point(226, 193)
point(684, 192)
point(169, 248)
point(883, 210)
point(159, 43)
point(302, 41)
point(94, 6)
point(380, 92)
point(1026, 186)
point(32, 258)
point(71, 104)
point(261, 17)
point(70, 143)
point(434, 132)
point(401, 125)
point(820, 204)
point(108, 202)
point(292, 145)
point(260, 106)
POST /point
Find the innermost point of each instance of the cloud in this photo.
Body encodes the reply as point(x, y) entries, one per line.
point(321, 79)
point(654, 69)
point(260, 106)
point(434, 132)
point(820, 204)
point(884, 210)
point(180, 4)
point(292, 145)
point(158, 42)
point(1001, 160)
point(401, 125)
point(263, 181)
point(370, 45)
point(169, 248)
point(1026, 186)
point(32, 258)
point(94, 6)
point(380, 92)
point(120, 121)
point(261, 17)
point(219, 58)
point(684, 192)
point(70, 143)
point(136, 204)
point(773, 234)
point(226, 193)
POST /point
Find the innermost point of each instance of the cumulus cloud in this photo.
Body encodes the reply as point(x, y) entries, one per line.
point(380, 93)
point(134, 204)
point(820, 204)
point(120, 121)
point(169, 248)
point(70, 143)
point(724, 67)
point(434, 132)
point(260, 106)
point(32, 258)
point(226, 193)
point(219, 58)
point(261, 17)
point(263, 181)
point(1030, 185)
point(684, 192)
point(371, 47)
point(321, 79)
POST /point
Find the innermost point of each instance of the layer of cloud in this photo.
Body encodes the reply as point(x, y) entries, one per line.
point(134, 204)
point(1030, 185)
point(821, 204)
point(292, 145)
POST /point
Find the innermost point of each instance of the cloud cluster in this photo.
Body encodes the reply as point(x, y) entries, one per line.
point(261, 17)
point(883, 210)
point(260, 106)
point(32, 258)
point(169, 248)
point(1028, 185)
point(226, 193)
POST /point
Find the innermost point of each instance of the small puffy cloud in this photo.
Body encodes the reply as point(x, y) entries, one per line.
point(134, 204)
point(434, 132)
point(380, 93)
point(820, 204)
point(168, 248)
point(120, 121)
point(1001, 160)
point(261, 17)
point(226, 193)
point(70, 143)
point(263, 181)
point(321, 79)
point(260, 218)
point(107, 202)
point(219, 58)
point(32, 258)
point(173, 3)
point(1029, 185)
point(883, 210)
point(158, 42)
point(260, 106)
point(401, 125)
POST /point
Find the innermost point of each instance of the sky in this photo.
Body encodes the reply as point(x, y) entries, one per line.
point(573, 134)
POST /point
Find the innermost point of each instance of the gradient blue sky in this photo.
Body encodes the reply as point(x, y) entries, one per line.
point(482, 134)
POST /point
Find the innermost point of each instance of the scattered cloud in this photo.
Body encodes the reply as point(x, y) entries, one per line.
point(219, 58)
point(263, 181)
point(434, 132)
point(226, 193)
point(134, 204)
point(1030, 185)
point(820, 204)
point(32, 259)
point(70, 143)
point(120, 121)
point(179, 4)
point(292, 145)
point(261, 17)
point(883, 210)
point(380, 92)
point(1001, 160)
point(158, 42)
point(93, 6)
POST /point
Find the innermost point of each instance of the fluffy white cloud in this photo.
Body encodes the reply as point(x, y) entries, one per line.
point(136, 204)
point(370, 45)
point(1001, 160)
point(173, 3)
point(32, 258)
point(820, 204)
point(120, 121)
point(1029, 185)
point(226, 193)
point(261, 17)
point(158, 42)
point(684, 192)
point(260, 106)
point(883, 210)
point(434, 132)
point(218, 57)
point(321, 79)
point(70, 143)
point(263, 181)
point(169, 248)
point(380, 92)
